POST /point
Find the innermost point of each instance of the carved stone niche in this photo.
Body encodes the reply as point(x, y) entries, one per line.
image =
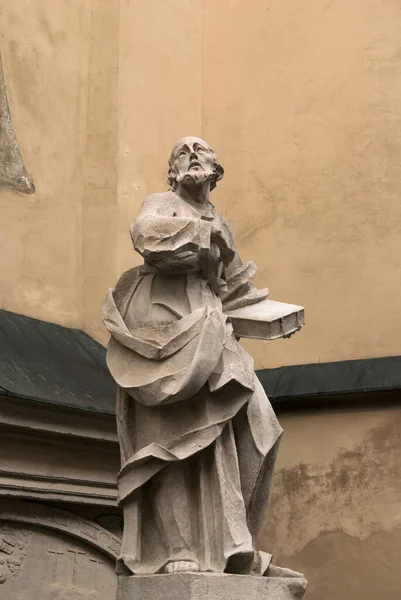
point(51, 554)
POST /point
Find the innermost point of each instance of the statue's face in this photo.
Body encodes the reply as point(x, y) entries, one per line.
point(193, 161)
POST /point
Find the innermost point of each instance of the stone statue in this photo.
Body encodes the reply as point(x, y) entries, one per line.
point(198, 436)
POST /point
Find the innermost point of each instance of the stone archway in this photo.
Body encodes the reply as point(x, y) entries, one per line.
point(52, 554)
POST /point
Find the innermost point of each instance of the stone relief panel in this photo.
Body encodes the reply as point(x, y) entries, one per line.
point(113, 523)
point(13, 545)
point(49, 565)
point(51, 554)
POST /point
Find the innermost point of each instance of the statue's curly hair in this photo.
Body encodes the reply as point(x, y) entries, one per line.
point(218, 172)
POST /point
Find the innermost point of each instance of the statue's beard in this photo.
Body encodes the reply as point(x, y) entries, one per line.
point(194, 177)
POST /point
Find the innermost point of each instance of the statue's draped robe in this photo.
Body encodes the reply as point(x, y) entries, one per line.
point(198, 436)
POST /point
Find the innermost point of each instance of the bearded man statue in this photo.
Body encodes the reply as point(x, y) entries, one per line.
point(198, 436)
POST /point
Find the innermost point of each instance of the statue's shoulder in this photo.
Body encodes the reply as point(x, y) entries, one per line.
point(226, 230)
point(225, 225)
point(159, 201)
point(224, 221)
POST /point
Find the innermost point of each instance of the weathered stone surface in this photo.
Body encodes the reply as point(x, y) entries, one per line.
point(12, 169)
point(212, 586)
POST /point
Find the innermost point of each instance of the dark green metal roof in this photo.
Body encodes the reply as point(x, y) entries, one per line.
point(49, 363)
point(321, 384)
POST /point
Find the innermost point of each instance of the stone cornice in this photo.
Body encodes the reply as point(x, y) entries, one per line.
point(46, 419)
point(55, 436)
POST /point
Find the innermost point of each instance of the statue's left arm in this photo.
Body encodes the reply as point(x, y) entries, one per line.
point(238, 275)
point(251, 314)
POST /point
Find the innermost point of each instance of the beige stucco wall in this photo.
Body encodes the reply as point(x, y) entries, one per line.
point(45, 72)
point(302, 101)
point(299, 99)
point(334, 513)
point(60, 63)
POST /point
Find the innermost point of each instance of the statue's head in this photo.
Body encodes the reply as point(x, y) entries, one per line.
point(193, 161)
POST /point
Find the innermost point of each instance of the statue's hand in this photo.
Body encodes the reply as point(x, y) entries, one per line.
point(209, 262)
point(226, 253)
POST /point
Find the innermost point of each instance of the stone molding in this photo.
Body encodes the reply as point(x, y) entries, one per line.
point(46, 419)
point(32, 425)
point(53, 488)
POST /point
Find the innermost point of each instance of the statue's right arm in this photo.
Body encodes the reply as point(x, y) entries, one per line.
point(159, 235)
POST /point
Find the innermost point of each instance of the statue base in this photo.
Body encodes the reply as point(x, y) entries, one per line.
point(282, 585)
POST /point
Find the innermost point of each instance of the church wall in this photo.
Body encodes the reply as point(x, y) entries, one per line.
point(334, 512)
point(301, 103)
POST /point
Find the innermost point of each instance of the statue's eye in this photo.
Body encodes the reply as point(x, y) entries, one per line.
point(182, 153)
point(200, 150)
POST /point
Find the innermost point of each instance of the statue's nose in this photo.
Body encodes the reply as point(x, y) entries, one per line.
point(193, 155)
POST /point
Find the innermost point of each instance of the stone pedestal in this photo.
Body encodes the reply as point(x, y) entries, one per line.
point(212, 586)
